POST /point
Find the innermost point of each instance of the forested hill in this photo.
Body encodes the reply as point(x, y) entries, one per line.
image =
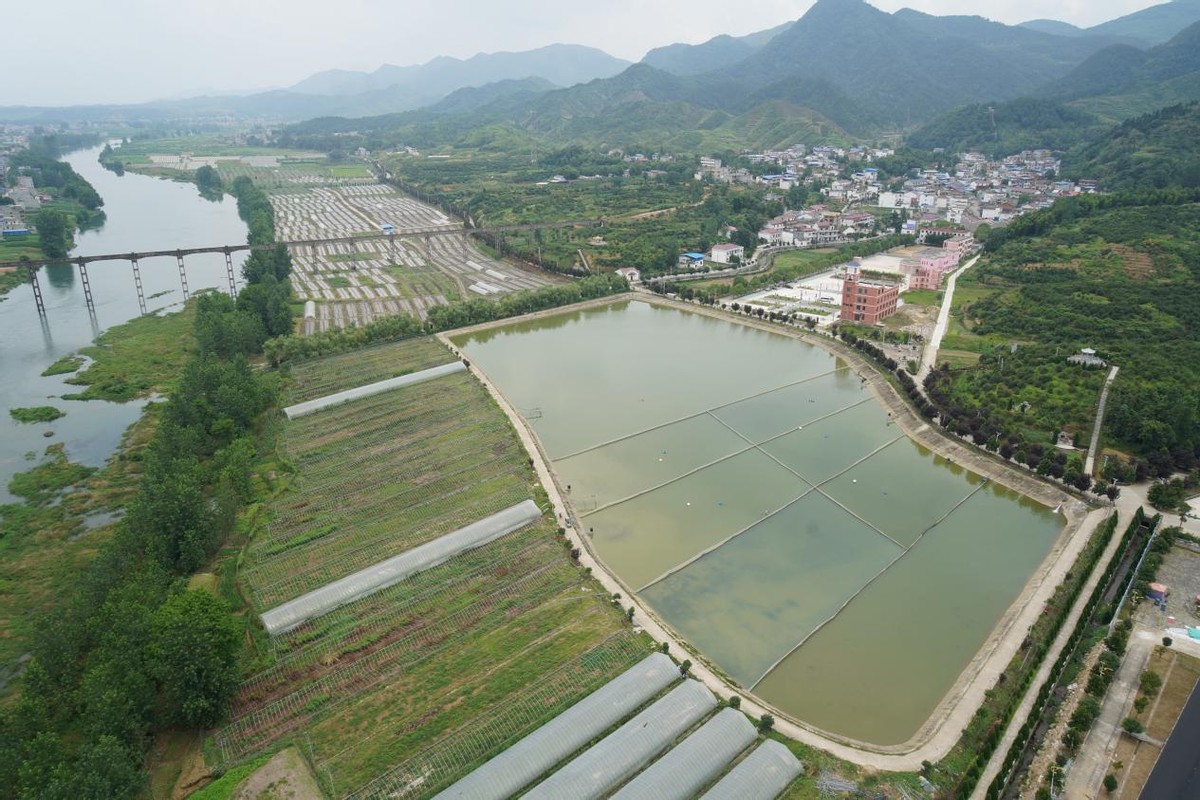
point(1002, 128)
point(1152, 151)
point(1117, 273)
point(1134, 80)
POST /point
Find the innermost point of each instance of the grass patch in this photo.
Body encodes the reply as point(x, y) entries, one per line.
point(802, 262)
point(31, 414)
point(64, 365)
point(142, 356)
point(338, 282)
point(957, 359)
point(223, 787)
point(337, 258)
point(40, 484)
point(923, 297)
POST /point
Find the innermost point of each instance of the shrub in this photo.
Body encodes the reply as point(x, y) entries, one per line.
point(1131, 725)
point(1110, 783)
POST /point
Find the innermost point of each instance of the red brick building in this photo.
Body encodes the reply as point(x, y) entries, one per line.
point(867, 301)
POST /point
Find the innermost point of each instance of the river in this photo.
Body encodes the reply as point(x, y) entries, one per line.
point(143, 213)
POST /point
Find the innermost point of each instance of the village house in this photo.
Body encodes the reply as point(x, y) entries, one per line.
point(727, 253)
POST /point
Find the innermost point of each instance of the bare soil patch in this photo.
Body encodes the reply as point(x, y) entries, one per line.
point(285, 777)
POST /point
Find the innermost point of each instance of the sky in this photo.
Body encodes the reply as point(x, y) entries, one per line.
point(124, 51)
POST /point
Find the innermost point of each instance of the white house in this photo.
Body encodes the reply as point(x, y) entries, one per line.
point(726, 253)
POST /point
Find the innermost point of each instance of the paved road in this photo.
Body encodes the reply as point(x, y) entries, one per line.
point(1177, 773)
point(1091, 456)
point(929, 357)
point(1096, 752)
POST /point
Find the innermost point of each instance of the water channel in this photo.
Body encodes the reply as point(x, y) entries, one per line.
point(755, 494)
point(143, 213)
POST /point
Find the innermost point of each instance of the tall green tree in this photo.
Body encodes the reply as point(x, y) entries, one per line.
point(55, 232)
point(194, 644)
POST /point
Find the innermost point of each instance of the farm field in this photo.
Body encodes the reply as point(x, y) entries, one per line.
point(354, 283)
point(325, 376)
point(450, 665)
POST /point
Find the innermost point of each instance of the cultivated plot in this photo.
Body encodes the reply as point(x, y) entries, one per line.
point(459, 657)
point(356, 282)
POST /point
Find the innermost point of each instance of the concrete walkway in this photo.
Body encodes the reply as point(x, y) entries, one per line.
point(1126, 506)
point(1096, 752)
point(1091, 456)
point(929, 357)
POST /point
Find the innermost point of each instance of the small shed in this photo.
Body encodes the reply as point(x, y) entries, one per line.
point(1157, 592)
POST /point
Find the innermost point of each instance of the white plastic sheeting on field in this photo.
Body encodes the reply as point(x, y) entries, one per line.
point(357, 393)
point(538, 753)
point(693, 763)
point(615, 758)
point(395, 569)
point(762, 775)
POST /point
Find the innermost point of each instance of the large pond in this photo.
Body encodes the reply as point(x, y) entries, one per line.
point(753, 492)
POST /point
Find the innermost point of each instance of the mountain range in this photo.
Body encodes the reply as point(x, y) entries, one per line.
point(1150, 26)
point(844, 68)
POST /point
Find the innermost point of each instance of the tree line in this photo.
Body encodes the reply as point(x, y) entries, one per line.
point(135, 651)
point(442, 318)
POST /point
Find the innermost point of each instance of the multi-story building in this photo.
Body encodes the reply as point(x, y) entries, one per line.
point(867, 301)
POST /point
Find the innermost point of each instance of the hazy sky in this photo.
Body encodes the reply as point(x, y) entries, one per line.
point(63, 52)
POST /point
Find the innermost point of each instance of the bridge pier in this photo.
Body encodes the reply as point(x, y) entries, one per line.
point(182, 276)
point(229, 272)
point(37, 293)
point(137, 282)
point(87, 287)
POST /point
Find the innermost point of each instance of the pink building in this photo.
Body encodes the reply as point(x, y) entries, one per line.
point(867, 301)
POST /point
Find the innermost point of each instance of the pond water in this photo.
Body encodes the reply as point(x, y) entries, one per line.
point(758, 498)
point(143, 213)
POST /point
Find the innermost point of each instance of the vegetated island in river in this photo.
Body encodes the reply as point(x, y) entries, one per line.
point(36, 414)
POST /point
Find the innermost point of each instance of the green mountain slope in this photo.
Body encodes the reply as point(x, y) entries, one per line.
point(1156, 150)
point(1155, 24)
point(717, 53)
point(1008, 127)
point(1121, 81)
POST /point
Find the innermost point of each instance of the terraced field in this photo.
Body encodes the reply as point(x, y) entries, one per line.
point(453, 663)
point(358, 281)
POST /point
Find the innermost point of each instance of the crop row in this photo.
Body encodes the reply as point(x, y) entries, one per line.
point(255, 729)
point(363, 539)
point(340, 510)
point(321, 377)
point(362, 624)
point(456, 754)
point(373, 462)
point(438, 399)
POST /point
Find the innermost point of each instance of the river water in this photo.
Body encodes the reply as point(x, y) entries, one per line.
point(749, 488)
point(143, 213)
